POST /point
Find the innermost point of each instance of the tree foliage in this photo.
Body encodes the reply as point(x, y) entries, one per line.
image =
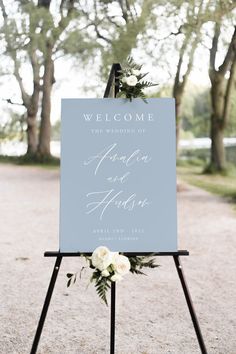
point(35, 35)
point(167, 35)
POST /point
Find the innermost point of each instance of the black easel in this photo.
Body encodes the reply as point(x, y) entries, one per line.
point(111, 91)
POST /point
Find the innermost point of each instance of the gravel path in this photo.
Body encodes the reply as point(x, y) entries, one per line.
point(152, 317)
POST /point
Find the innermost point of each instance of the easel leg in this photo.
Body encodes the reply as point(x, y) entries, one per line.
point(46, 304)
point(113, 313)
point(190, 305)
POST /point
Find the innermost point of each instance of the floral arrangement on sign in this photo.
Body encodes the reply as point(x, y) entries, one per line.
point(109, 267)
point(131, 83)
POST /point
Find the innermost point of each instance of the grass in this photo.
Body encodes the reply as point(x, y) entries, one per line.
point(48, 163)
point(219, 184)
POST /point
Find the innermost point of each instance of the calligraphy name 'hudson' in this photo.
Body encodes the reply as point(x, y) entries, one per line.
point(117, 117)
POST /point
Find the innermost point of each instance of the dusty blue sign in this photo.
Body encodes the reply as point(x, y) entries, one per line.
point(118, 175)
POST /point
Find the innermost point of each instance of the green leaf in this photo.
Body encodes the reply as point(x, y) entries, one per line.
point(121, 94)
point(72, 278)
point(102, 285)
point(139, 262)
point(69, 275)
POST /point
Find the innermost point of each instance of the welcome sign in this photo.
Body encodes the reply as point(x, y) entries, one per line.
point(118, 175)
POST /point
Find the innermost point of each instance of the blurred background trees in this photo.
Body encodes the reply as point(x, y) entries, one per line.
point(174, 40)
point(34, 37)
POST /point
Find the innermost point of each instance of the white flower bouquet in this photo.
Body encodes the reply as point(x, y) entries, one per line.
point(131, 83)
point(109, 267)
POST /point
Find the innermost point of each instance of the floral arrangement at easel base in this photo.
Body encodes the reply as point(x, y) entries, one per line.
point(110, 267)
point(131, 83)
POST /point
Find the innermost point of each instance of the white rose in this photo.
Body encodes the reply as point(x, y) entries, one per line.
point(101, 258)
point(121, 264)
point(116, 277)
point(131, 80)
point(114, 255)
point(135, 72)
point(124, 79)
point(105, 273)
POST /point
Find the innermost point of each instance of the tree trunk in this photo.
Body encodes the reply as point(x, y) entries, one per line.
point(45, 127)
point(178, 101)
point(178, 91)
point(32, 136)
point(221, 90)
point(218, 161)
point(32, 111)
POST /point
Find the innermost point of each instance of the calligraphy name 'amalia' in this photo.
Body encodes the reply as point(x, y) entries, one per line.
point(109, 154)
point(117, 117)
